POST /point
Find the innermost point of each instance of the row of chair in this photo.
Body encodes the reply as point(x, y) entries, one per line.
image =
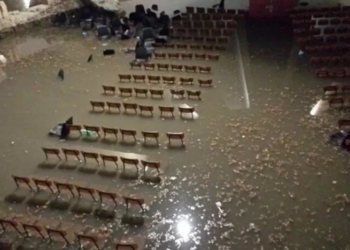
point(308, 16)
point(207, 17)
point(334, 72)
point(166, 67)
point(331, 21)
point(200, 39)
point(201, 10)
point(184, 46)
point(336, 89)
point(54, 230)
point(319, 40)
point(302, 32)
point(335, 48)
point(57, 187)
point(180, 93)
point(210, 31)
point(205, 24)
point(185, 56)
point(344, 123)
point(164, 79)
point(339, 102)
point(143, 108)
point(329, 60)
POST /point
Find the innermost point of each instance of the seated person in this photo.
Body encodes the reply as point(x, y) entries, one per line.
point(164, 19)
point(103, 32)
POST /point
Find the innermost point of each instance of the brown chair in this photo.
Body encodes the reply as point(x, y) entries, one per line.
point(178, 92)
point(216, 33)
point(43, 183)
point(139, 78)
point(181, 46)
point(51, 151)
point(125, 91)
point(189, 10)
point(211, 10)
point(107, 195)
point(175, 67)
point(201, 56)
point(21, 180)
point(128, 132)
point(336, 102)
point(159, 55)
point(156, 92)
point(62, 186)
point(220, 25)
point(199, 39)
point(149, 66)
point(113, 105)
point(222, 40)
point(95, 129)
point(208, 25)
point(139, 91)
point(135, 65)
point(72, 128)
point(108, 89)
point(123, 78)
point(195, 46)
point(153, 79)
point(194, 93)
point(130, 161)
point(204, 69)
point(205, 32)
point(89, 155)
point(343, 123)
point(208, 47)
point(187, 56)
point(150, 164)
point(175, 136)
point(163, 66)
point(166, 109)
point(186, 80)
point(97, 104)
point(73, 152)
point(111, 158)
point(169, 45)
point(106, 131)
point(173, 56)
point(130, 106)
point(150, 134)
point(187, 110)
point(190, 68)
point(213, 57)
point(146, 108)
point(200, 10)
point(169, 79)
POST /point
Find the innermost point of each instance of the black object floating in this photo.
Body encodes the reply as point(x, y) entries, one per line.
point(90, 58)
point(108, 52)
point(61, 74)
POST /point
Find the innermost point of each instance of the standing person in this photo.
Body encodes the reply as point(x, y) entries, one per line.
point(125, 29)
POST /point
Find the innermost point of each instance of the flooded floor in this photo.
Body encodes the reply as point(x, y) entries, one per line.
point(256, 173)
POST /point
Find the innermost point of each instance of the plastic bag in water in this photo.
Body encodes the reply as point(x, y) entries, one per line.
point(88, 133)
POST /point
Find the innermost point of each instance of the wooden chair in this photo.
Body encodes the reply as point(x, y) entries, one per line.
point(343, 123)
point(150, 134)
point(169, 79)
point(130, 161)
point(195, 46)
point(175, 136)
point(153, 79)
point(188, 110)
point(159, 55)
point(61, 186)
point(220, 48)
point(200, 10)
point(149, 66)
point(106, 131)
point(204, 69)
point(130, 201)
point(173, 56)
point(67, 152)
point(128, 132)
point(208, 47)
point(181, 46)
point(190, 68)
point(113, 105)
point(108, 89)
point(187, 56)
point(22, 180)
point(210, 40)
point(145, 108)
point(166, 109)
point(186, 80)
point(130, 106)
point(139, 91)
point(175, 67)
point(85, 190)
point(199, 39)
point(123, 78)
point(203, 82)
point(169, 45)
point(194, 93)
point(125, 91)
point(189, 9)
point(51, 151)
point(90, 155)
point(30, 228)
point(178, 92)
point(5, 223)
point(330, 90)
point(76, 128)
point(57, 232)
point(97, 104)
point(156, 92)
point(213, 57)
point(107, 195)
point(337, 102)
point(43, 183)
point(222, 40)
point(139, 78)
point(111, 158)
point(135, 65)
point(216, 32)
point(150, 164)
point(163, 66)
point(83, 239)
point(220, 25)
point(201, 56)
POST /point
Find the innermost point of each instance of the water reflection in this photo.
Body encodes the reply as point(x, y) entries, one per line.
point(184, 228)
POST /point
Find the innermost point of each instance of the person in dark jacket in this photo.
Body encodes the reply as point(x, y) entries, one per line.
point(177, 16)
point(164, 19)
point(125, 29)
